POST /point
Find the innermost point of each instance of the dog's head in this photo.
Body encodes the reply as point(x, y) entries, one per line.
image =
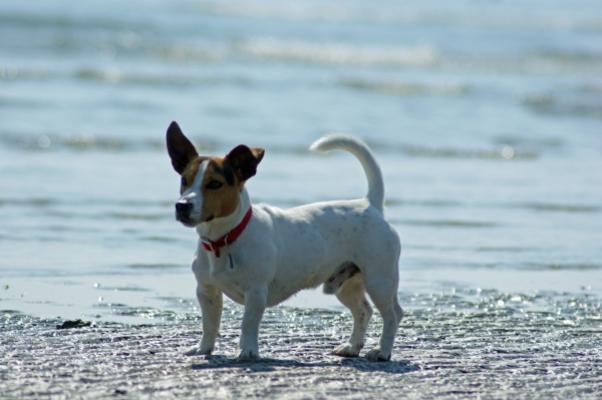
point(210, 186)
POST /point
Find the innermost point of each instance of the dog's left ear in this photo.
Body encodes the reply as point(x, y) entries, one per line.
point(244, 160)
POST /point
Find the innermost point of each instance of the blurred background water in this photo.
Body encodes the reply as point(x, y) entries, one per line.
point(486, 117)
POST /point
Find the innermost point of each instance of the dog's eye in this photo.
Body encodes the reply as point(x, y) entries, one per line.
point(183, 181)
point(214, 185)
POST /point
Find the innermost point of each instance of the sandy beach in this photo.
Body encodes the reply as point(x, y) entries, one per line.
point(485, 350)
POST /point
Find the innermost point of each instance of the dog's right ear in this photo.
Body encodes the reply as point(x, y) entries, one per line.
point(180, 149)
point(244, 160)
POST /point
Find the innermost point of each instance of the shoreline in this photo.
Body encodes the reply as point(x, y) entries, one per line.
point(165, 295)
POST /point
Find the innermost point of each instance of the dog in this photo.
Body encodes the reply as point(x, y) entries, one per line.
point(259, 255)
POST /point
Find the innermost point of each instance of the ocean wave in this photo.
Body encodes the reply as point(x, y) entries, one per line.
point(337, 53)
point(116, 76)
point(15, 74)
point(155, 266)
point(478, 16)
point(496, 153)
point(92, 142)
point(137, 216)
point(530, 142)
point(22, 103)
point(36, 202)
point(47, 142)
point(504, 249)
point(121, 288)
point(297, 11)
point(436, 203)
point(563, 266)
point(405, 88)
point(37, 21)
point(565, 104)
point(445, 223)
point(569, 55)
point(563, 208)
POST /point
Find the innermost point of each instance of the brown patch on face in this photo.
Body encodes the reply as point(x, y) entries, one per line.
point(218, 193)
point(221, 190)
point(189, 173)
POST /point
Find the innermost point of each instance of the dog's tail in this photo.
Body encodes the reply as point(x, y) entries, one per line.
point(376, 187)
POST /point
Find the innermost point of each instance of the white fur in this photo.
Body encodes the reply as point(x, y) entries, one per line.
point(376, 186)
point(284, 251)
point(194, 193)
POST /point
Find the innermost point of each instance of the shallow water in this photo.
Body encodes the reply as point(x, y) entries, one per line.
point(486, 119)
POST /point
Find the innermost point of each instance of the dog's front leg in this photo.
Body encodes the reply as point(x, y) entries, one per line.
point(210, 299)
point(255, 303)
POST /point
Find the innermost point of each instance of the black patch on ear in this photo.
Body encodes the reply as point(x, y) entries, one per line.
point(244, 160)
point(228, 174)
point(180, 149)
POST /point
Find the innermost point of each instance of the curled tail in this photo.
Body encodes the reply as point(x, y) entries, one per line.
point(376, 187)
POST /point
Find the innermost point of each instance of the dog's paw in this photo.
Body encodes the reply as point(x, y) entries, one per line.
point(377, 355)
point(198, 350)
point(248, 355)
point(347, 350)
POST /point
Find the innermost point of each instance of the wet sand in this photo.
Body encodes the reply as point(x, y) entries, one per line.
point(494, 352)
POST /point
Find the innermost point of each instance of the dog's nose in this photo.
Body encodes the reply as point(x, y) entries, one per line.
point(183, 208)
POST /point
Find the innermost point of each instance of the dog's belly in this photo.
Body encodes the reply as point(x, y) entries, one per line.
point(279, 291)
point(309, 271)
point(289, 279)
point(234, 295)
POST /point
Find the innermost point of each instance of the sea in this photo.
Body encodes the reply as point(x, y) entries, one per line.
point(485, 116)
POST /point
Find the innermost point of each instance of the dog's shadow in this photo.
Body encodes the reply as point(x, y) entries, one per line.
point(271, 364)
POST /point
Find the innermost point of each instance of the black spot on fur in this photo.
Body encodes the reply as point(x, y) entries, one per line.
point(336, 280)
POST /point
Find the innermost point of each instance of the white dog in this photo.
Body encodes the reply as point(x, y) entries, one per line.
point(259, 255)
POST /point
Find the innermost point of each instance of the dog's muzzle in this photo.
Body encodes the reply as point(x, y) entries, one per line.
point(183, 210)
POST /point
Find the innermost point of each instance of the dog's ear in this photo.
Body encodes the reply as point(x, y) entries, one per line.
point(180, 150)
point(244, 160)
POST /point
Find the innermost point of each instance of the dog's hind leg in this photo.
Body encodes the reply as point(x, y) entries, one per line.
point(352, 295)
point(211, 302)
point(383, 292)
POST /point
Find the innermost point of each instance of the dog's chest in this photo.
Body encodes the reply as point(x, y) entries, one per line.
point(221, 272)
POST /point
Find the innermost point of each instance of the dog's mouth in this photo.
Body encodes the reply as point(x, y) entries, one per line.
point(190, 222)
point(186, 221)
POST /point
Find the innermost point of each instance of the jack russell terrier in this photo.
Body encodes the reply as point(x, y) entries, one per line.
point(259, 255)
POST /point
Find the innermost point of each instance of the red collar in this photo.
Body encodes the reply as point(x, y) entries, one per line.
point(228, 238)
